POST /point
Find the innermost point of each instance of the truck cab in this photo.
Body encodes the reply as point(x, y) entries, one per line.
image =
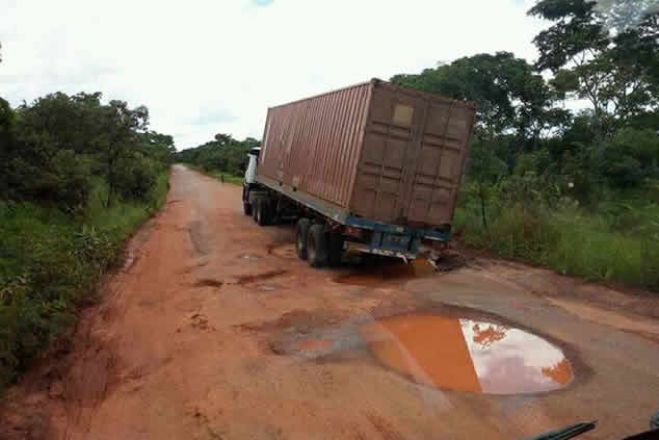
point(250, 178)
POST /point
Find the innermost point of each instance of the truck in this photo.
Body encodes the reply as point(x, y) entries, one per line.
point(373, 168)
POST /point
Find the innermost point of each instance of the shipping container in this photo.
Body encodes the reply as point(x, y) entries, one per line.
point(370, 168)
point(374, 150)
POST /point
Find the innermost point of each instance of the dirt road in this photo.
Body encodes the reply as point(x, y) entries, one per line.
point(214, 330)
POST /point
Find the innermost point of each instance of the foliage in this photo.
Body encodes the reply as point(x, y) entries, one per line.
point(567, 239)
point(224, 155)
point(616, 70)
point(630, 157)
point(77, 176)
point(509, 96)
point(49, 264)
point(574, 190)
point(53, 148)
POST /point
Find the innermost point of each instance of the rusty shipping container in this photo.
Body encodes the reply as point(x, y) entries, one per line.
point(374, 150)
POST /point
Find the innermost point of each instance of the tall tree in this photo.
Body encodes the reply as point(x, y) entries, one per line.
point(510, 97)
point(122, 126)
point(612, 68)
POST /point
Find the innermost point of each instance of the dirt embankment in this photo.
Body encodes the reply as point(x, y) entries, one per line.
point(214, 330)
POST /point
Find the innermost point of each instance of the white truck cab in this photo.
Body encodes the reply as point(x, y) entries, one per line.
point(250, 170)
point(250, 177)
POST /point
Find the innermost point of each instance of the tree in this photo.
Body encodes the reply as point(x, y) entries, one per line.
point(509, 96)
point(224, 154)
point(223, 139)
point(614, 69)
point(56, 149)
point(41, 159)
point(485, 169)
point(121, 126)
point(6, 122)
point(622, 15)
point(157, 145)
point(630, 156)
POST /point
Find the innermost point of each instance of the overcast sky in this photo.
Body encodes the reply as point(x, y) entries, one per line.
point(209, 66)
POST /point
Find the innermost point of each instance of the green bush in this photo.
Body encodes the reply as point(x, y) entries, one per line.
point(62, 179)
point(77, 176)
point(630, 156)
point(223, 155)
point(53, 150)
point(135, 178)
point(50, 262)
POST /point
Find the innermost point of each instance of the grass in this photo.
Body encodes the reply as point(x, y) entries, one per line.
point(51, 262)
point(568, 240)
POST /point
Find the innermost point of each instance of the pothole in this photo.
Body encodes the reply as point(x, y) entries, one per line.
point(467, 355)
point(444, 347)
point(252, 278)
point(372, 275)
point(208, 282)
point(445, 351)
point(286, 251)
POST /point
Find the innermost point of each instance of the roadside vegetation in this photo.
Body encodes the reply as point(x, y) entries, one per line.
point(575, 190)
point(222, 158)
point(77, 176)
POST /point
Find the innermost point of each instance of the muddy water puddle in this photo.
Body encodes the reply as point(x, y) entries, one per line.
point(371, 275)
point(467, 355)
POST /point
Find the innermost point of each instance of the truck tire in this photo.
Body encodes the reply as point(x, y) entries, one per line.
point(255, 208)
point(247, 208)
point(317, 246)
point(334, 248)
point(301, 236)
point(261, 212)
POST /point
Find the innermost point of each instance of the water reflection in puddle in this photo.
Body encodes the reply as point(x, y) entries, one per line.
point(467, 355)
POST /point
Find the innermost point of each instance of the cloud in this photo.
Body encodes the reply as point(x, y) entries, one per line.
point(207, 66)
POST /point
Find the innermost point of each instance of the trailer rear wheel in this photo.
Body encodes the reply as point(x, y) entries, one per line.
point(334, 248)
point(262, 212)
point(255, 209)
point(317, 246)
point(301, 236)
point(247, 208)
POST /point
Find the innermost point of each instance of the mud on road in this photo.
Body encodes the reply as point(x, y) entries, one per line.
point(214, 330)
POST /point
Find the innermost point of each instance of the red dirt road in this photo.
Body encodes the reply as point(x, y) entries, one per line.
point(214, 330)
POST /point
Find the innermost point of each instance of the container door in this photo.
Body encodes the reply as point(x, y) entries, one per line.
point(389, 156)
point(440, 156)
point(413, 153)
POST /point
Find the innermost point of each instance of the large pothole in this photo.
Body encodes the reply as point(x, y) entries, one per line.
point(467, 355)
point(443, 351)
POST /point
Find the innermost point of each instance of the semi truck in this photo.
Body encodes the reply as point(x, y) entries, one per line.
point(372, 168)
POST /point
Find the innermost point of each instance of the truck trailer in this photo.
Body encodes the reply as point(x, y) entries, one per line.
point(372, 168)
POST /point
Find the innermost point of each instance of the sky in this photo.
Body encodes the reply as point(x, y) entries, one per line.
point(214, 66)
